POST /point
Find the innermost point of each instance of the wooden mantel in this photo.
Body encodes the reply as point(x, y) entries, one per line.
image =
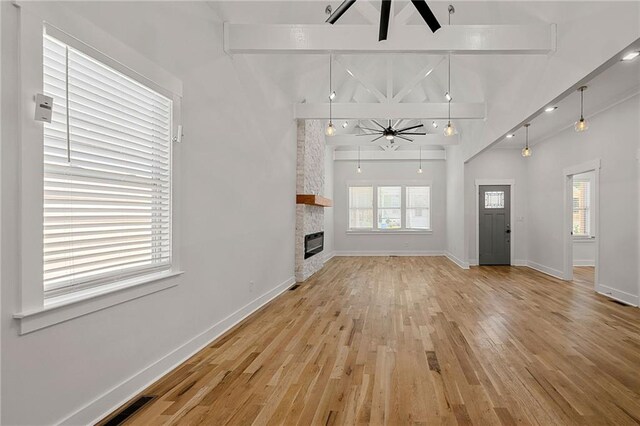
point(313, 200)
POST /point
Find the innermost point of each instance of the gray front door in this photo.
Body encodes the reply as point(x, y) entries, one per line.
point(495, 225)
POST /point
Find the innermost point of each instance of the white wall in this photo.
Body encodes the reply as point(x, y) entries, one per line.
point(503, 164)
point(328, 211)
point(237, 202)
point(456, 246)
point(613, 138)
point(434, 243)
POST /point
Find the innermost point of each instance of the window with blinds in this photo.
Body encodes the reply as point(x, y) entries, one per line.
point(107, 174)
point(581, 208)
point(361, 207)
point(417, 211)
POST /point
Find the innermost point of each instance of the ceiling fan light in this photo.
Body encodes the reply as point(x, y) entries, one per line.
point(581, 125)
point(389, 137)
point(330, 130)
point(449, 130)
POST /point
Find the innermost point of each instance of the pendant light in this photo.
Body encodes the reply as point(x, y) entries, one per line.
point(526, 151)
point(420, 166)
point(359, 170)
point(581, 125)
point(449, 130)
point(330, 130)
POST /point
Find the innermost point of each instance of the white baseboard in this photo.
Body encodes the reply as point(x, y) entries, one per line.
point(588, 262)
point(120, 394)
point(328, 256)
point(388, 253)
point(454, 259)
point(546, 270)
point(515, 262)
point(619, 295)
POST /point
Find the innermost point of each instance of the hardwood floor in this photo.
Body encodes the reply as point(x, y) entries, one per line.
point(415, 340)
point(584, 276)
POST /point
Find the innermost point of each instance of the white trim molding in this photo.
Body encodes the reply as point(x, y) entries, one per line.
point(619, 295)
point(120, 394)
point(512, 196)
point(545, 269)
point(461, 263)
point(568, 239)
point(365, 253)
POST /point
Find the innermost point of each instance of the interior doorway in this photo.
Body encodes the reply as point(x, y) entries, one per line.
point(581, 219)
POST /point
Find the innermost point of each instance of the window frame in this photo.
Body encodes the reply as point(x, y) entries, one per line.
point(403, 184)
point(36, 312)
point(349, 208)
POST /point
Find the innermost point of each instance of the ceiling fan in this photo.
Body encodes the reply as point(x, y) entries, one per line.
point(385, 11)
point(389, 133)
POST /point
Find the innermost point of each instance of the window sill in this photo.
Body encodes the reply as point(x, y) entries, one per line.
point(389, 231)
point(64, 308)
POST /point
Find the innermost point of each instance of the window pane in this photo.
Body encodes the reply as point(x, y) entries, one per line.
point(417, 196)
point(361, 197)
point(494, 200)
point(107, 177)
point(418, 219)
point(389, 218)
point(361, 218)
point(581, 208)
point(361, 207)
point(389, 197)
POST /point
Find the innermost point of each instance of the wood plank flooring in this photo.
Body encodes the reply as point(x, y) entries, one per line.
point(415, 341)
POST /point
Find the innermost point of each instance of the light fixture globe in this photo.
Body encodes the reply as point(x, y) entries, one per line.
point(581, 125)
point(420, 171)
point(359, 170)
point(526, 152)
point(330, 130)
point(449, 130)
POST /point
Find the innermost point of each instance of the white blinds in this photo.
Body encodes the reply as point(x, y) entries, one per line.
point(581, 208)
point(107, 174)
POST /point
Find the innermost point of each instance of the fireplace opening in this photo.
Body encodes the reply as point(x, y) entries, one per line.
point(313, 244)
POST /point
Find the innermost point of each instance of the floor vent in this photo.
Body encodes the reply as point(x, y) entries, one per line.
point(128, 411)
point(294, 287)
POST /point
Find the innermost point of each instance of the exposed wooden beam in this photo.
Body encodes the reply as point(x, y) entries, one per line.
point(363, 111)
point(390, 155)
point(537, 39)
point(418, 140)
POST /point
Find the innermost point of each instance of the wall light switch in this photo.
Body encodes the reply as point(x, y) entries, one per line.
point(44, 108)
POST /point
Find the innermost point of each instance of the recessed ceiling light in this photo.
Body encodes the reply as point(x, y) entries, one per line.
point(630, 56)
point(550, 109)
point(510, 135)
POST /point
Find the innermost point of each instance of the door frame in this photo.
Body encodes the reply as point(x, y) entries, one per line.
point(567, 176)
point(511, 183)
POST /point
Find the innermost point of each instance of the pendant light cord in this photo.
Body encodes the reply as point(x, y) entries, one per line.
point(358, 156)
point(330, 88)
point(581, 103)
point(420, 158)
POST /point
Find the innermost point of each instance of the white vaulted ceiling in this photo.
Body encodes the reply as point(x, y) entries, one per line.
point(511, 86)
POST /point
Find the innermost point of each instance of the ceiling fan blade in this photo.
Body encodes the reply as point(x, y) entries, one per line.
point(385, 10)
point(378, 124)
point(379, 137)
point(412, 133)
point(427, 14)
point(410, 128)
point(402, 137)
point(372, 130)
point(346, 4)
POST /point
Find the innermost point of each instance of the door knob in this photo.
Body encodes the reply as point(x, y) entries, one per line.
point(508, 231)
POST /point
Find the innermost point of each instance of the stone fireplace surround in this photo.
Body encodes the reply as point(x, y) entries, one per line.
point(309, 180)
